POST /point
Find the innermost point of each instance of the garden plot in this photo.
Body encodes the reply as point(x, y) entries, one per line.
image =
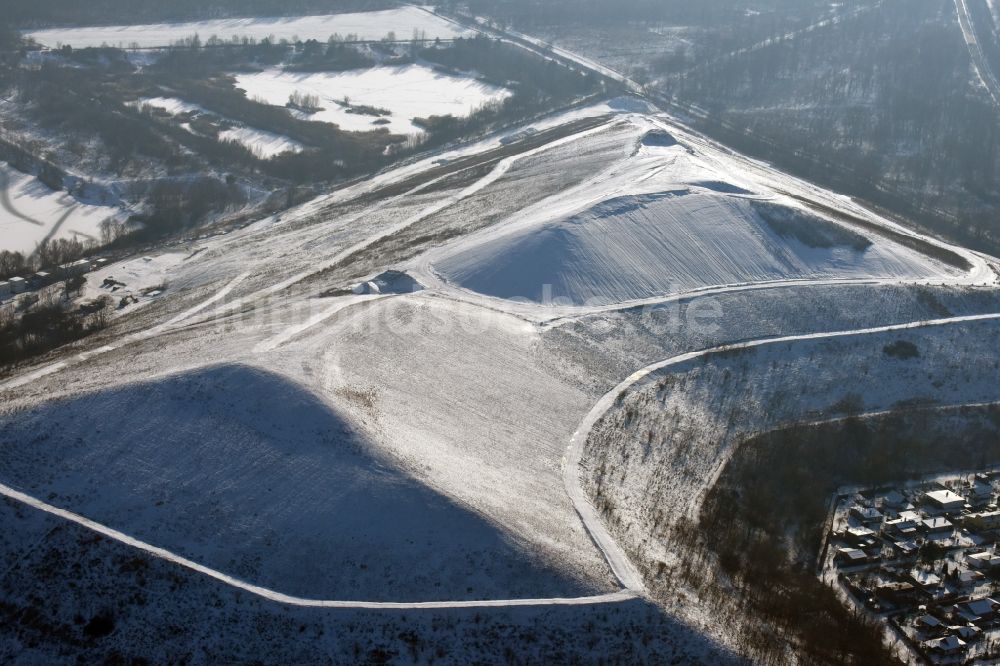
point(403, 22)
point(30, 213)
point(367, 99)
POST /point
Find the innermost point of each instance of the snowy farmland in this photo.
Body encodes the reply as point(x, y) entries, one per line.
point(365, 25)
point(405, 92)
point(30, 212)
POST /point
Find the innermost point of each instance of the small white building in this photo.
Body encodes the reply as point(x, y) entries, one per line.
point(5, 291)
point(75, 268)
point(945, 500)
point(983, 561)
point(18, 285)
point(937, 525)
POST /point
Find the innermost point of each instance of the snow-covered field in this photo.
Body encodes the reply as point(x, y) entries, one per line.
point(264, 144)
point(172, 105)
point(30, 212)
point(406, 92)
point(365, 25)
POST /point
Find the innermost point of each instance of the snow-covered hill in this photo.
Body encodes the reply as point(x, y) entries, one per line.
point(262, 419)
point(667, 221)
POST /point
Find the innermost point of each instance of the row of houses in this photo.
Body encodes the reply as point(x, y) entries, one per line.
point(42, 279)
point(926, 559)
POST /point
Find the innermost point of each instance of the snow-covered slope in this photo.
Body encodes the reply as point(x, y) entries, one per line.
point(678, 226)
point(248, 473)
point(634, 247)
point(411, 446)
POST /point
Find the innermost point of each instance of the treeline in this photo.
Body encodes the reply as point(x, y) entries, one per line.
point(47, 257)
point(69, 100)
point(175, 206)
point(503, 64)
point(882, 105)
point(334, 153)
point(332, 56)
point(528, 14)
point(764, 519)
point(45, 324)
point(104, 12)
point(538, 84)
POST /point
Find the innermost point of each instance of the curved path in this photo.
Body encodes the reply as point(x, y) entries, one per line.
point(617, 558)
point(7, 204)
point(280, 597)
point(497, 172)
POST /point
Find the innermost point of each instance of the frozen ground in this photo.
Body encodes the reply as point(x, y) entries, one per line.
point(262, 143)
point(30, 212)
point(171, 105)
point(256, 418)
point(244, 471)
point(365, 25)
point(406, 92)
point(172, 615)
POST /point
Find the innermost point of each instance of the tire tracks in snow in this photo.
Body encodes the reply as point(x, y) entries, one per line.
point(8, 205)
point(495, 174)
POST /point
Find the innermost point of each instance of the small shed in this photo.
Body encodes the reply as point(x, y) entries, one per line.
point(18, 285)
point(75, 268)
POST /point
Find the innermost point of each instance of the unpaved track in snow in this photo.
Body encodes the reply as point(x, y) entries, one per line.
point(979, 61)
point(279, 597)
point(620, 564)
point(8, 205)
point(502, 167)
